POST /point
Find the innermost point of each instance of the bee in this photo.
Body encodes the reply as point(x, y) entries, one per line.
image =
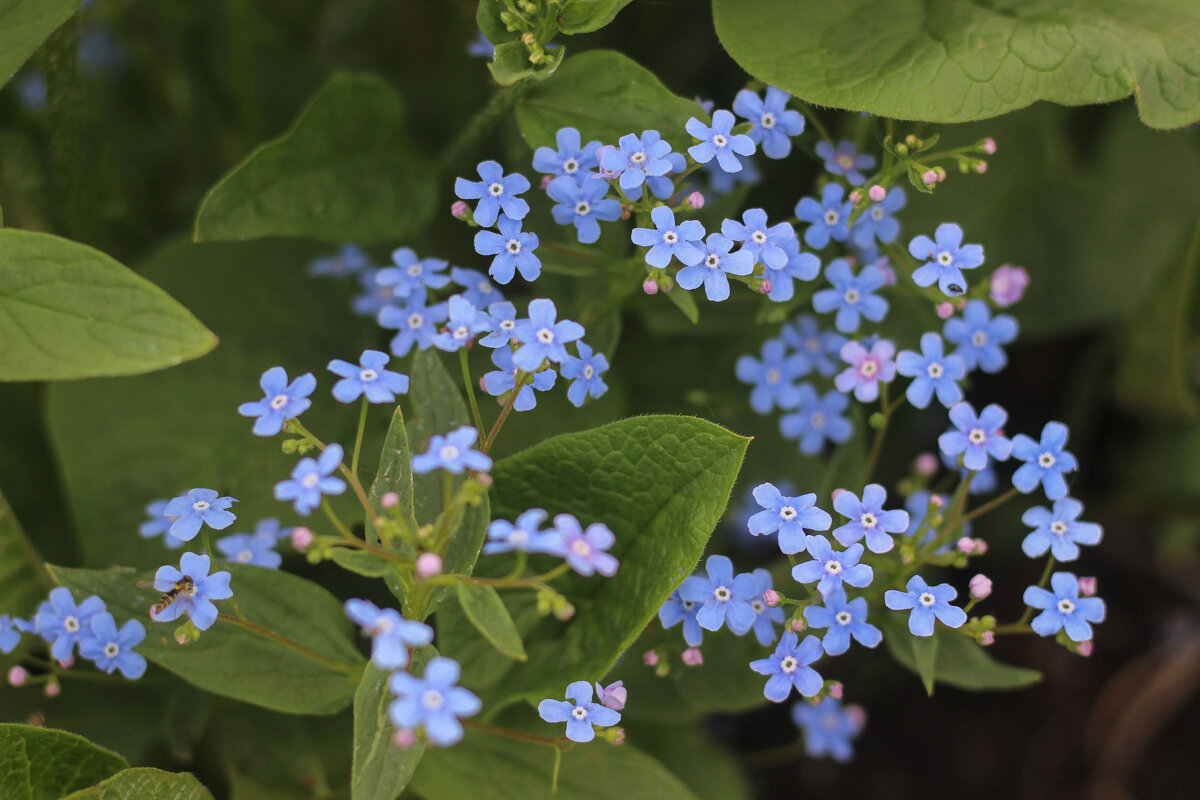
point(183, 587)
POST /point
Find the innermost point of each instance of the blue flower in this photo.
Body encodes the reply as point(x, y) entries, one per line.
point(311, 479)
point(572, 159)
point(719, 142)
point(787, 516)
point(542, 337)
point(478, 289)
point(977, 437)
point(677, 610)
point(513, 250)
point(10, 632)
point(944, 259)
point(367, 377)
point(789, 666)
point(250, 548)
point(868, 368)
point(1058, 530)
point(480, 47)
point(585, 551)
point(496, 192)
point(773, 123)
point(195, 590)
point(502, 322)
point(585, 371)
point(636, 159)
point(715, 265)
point(918, 506)
point(877, 222)
point(667, 239)
point(845, 160)
point(112, 649)
point(463, 323)
point(926, 603)
point(412, 274)
point(979, 336)
point(269, 526)
point(33, 90)
point(723, 598)
point(766, 617)
point(391, 634)
point(524, 535)
point(661, 186)
point(416, 323)
point(772, 377)
point(580, 714)
point(1045, 461)
point(984, 481)
point(505, 380)
point(452, 453)
point(828, 728)
point(818, 349)
point(198, 507)
point(374, 297)
point(931, 372)
point(721, 182)
point(829, 568)
point(62, 623)
point(762, 241)
point(828, 219)
point(350, 260)
point(868, 519)
point(281, 401)
point(843, 618)
point(582, 205)
point(851, 296)
point(817, 419)
point(159, 523)
point(799, 266)
point(1064, 608)
point(434, 701)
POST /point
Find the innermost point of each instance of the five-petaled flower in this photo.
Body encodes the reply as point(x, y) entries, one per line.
point(845, 160)
point(718, 141)
point(931, 372)
point(572, 158)
point(667, 239)
point(843, 618)
point(585, 551)
point(945, 259)
point(675, 610)
point(790, 517)
point(62, 623)
point(434, 701)
point(496, 192)
point(281, 401)
point(765, 243)
point(1063, 608)
point(198, 507)
point(504, 380)
point(453, 453)
point(1058, 530)
point(712, 270)
point(868, 519)
point(722, 597)
point(112, 649)
point(829, 569)
point(979, 336)
point(976, 437)
point(543, 336)
point(774, 123)
point(772, 377)
point(583, 205)
point(580, 713)
point(817, 419)
point(369, 377)
point(391, 634)
point(868, 368)
point(1045, 461)
point(828, 727)
point(312, 479)
point(585, 372)
point(192, 591)
point(852, 296)
point(827, 219)
point(524, 535)
point(463, 323)
point(513, 251)
point(257, 549)
point(789, 666)
point(926, 602)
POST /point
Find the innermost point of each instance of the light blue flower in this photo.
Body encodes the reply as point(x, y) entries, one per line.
point(817, 419)
point(818, 349)
point(721, 182)
point(504, 380)
point(411, 274)
point(852, 296)
point(772, 377)
point(844, 619)
point(580, 713)
point(789, 666)
point(828, 219)
point(476, 287)
point(583, 205)
point(667, 239)
point(677, 610)
point(945, 259)
point(496, 192)
point(502, 322)
point(524, 535)
point(572, 159)
point(250, 548)
point(585, 551)
point(979, 336)
point(931, 372)
point(269, 526)
point(373, 297)
point(1045, 461)
point(976, 437)
point(195, 590)
point(112, 649)
point(926, 603)
point(585, 371)
point(790, 517)
point(434, 702)
point(877, 223)
point(718, 141)
point(480, 47)
point(723, 598)
point(845, 160)
point(764, 242)
point(636, 159)
point(829, 569)
point(513, 250)
point(415, 321)
point(159, 523)
point(391, 634)
point(463, 324)
point(1064, 608)
point(868, 519)
point(766, 617)
point(543, 337)
point(774, 124)
point(453, 453)
point(350, 260)
point(62, 623)
point(368, 377)
point(198, 507)
point(828, 728)
point(311, 479)
point(10, 632)
point(712, 270)
point(281, 401)
point(1058, 530)
point(799, 266)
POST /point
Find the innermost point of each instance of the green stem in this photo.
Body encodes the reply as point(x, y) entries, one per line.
point(206, 537)
point(1041, 584)
point(995, 502)
point(557, 744)
point(470, 387)
point(877, 445)
point(519, 381)
point(483, 121)
point(337, 521)
point(266, 633)
point(1012, 629)
point(358, 437)
point(297, 426)
point(504, 583)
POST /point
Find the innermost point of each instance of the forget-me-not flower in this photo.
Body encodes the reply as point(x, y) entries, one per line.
point(463, 323)
point(1045, 461)
point(677, 610)
point(868, 519)
point(368, 377)
point(845, 160)
point(799, 266)
point(979, 336)
point(1063, 608)
point(636, 158)
point(10, 632)
point(476, 287)
point(817, 419)
point(829, 569)
point(790, 517)
point(159, 523)
point(257, 549)
point(411, 274)
point(718, 141)
point(62, 623)
point(513, 250)
point(931, 371)
point(868, 368)
point(198, 507)
point(524, 535)
point(789, 666)
point(434, 701)
point(772, 377)
point(764, 242)
point(926, 603)
point(583, 205)
point(391, 634)
point(543, 337)
point(716, 264)
point(585, 551)
point(976, 437)
point(1058, 530)
point(453, 453)
point(311, 480)
point(580, 713)
point(415, 321)
point(585, 372)
point(945, 259)
point(818, 349)
point(843, 619)
point(496, 192)
point(827, 219)
point(112, 649)
point(502, 322)
point(667, 239)
point(774, 124)
point(572, 158)
point(877, 222)
point(828, 728)
point(851, 296)
point(281, 401)
point(723, 598)
point(195, 590)
point(504, 380)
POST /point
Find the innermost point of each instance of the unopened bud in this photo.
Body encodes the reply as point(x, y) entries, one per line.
point(987, 638)
point(650, 286)
point(389, 500)
point(1087, 587)
point(17, 676)
point(912, 141)
point(404, 738)
point(302, 538)
point(546, 181)
point(428, 565)
point(612, 696)
point(837, 493)
point(53, 689)
point(856, 196)
point(902, 149)
point(980, 586)
point(772, 598)
point(981, 167)
point(692, 657)
point(765, 286)
point(926, 464)
point(877, 193)
point(937, 501)
point(945, 310)
point(1007, 285)
point(987, 146)
point(940, 173)
point(965, 545)
point(1084, 648)
point(695, 201)
point(929, 177)
point(835, 690)
point(484, 479)
point(650, 658)
point(564, 612)
point(618, 736)
point(459, 209)
point(529, 40)
point(798, 624)
point(981, 547)
point(857, 716)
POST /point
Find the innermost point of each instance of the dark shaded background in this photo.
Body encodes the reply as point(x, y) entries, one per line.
point(1098, 208)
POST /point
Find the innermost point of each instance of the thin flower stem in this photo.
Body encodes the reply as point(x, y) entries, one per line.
point(519, 567)
point(362, 544)
point(469, 385)
point(206, 537)
point(518, 382)
point(877, 445)
point(336, 520)
point(266, 633)
point(1012, 629)
point(353, 480)
point(558, 744)
point(995, 502)
point(1042, 585)
point(447, 491)
point(533, 581)
point(358, 437)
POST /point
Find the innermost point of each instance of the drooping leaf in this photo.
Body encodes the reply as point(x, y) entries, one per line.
point(381, 770)
point(68, 311)
point(585, 16)
point(924, 659)
point(685, 303)
point(486, 611)
point(605, 95)
point(344, 171)
point(458, 638)
point(235, 662)
point(24, 25)
point(958, 661)
point(45, 764)
point(22, 582)
point(141, 783)
point(955, 60)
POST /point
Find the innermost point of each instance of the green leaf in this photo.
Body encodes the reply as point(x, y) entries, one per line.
point(44, 764)
point(1155, 353)
point(361, 562)
point(381, 770)
point(458, 638)
point(605, 95)
point(958, 660)
point(660, 483)
point(486, 611)
point(711, 771)
point(957, 60)
point(22, 582)
point(24, 25)
point(511, 63)
point(684, 302)
point(68, 311)
point(488, 767)
point(143, 783)
point(395, 469)
point(343, 172)
point(487, 17)
point(234, 662)
point(585, 16)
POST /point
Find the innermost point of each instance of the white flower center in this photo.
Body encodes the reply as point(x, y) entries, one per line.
point(367, 375)
point(935, 370)
point(484, 287)
point(244, 557)
point(1058, 527)
point(589, 372)
point(722, 593)
point(758, 605)
point(70, 624)
point(570, 165)
point(111, 650)
point(448, 453)
point(868, 520)
point(579, 712)
point(580, 547)
point(876, 213)
point(432, 699)
point(833, 567)
point(687, 605)
point(789, 664)
point(415, 270)
point(310, 480)
point(831, 217)
point(759, 237)
point(200, 505)
point(513, 246)
point(1065, 606)
point(813, 345)
point(979, 338)
point(462, 332)
point(545, 336)
point(767, 120)
point(638, 158)
point(977, 436)
point(787, 513)
point(851, 296)
point(1046, 460)
point(868, 368)
point(945, 259)
point(774, 375)
point(670, 237)
point(518, 536)
point(415, 321)
point(719, 140)
point(582, 208)
point(279, 401)
point(926, 599)
point(817, 420)
point(507, 324)
point(845, 161)
point(712, 261)
point(843, 618)
point(496, 189)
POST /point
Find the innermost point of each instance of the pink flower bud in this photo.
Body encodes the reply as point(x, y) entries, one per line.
point(459, 209)
point(619, 736)
point(877, 193)
point(981, 167)
point(981, 547)
point(837, 493)
point(857, 715)
point(987, 638)
point(1087, 587)
point(482, 478)
point(180, 637)
point(650, 286)
point(612, 696)
point(856, 196)
point(945, 310)
point(1084, 648)
point(70, 662)
point(53, 689)
point(987, 146)
point(939, 173)
point(1007, 285)
point(926, 464)
point(765, 286)
point(980, 586)
point(404, 738)
point(937, 501)
point(692, 657)
point(428, 565)
point(798, 625)
point(835, 690)
point(650, 658)
point(889, 274)
point(772, 598)
point(546, 181)
point(695, 201)
point(302, 537)
point(965, 545)
point(17, 676)
point(929, 177)
point(389, 500)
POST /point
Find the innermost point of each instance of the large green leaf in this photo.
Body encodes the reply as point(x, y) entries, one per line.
point(605, 95)
point(660, 483)
point(381, 770)
point(44, 764)
point(232, 661)
point(344, 171)
point(957, 661)
point(144, 783)
point(165, 433)
point(68, 311)
point(486, 767)
point(22, 582)
point(958, 60)
point(24, 25)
